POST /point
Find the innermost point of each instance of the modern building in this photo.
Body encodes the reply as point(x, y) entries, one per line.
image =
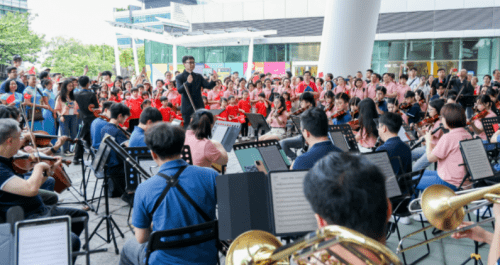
point(20, 6)
point(428, 34)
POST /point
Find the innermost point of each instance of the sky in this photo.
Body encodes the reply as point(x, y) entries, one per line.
point(80, 19)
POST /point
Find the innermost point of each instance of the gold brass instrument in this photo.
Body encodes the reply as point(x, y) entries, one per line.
point(329, 245)
point(445, 210)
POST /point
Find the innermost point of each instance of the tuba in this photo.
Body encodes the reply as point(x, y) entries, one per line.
point(329, 245)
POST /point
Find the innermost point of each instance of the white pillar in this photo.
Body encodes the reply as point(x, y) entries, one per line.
point(248, 74)
point(348, 35)
point(174, 58)
point(117, 58)
point(136, 59)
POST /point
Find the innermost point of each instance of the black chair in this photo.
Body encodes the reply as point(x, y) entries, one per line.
point(156, 243)
point(408, 183)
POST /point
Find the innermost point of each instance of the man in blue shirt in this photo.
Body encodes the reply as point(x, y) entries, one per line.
point(314, 125)
point(342, 104)
point(97, 124)
point(12, 74)
point(379, 99)
point(175, 211)
point(414, 112)
point(389, 125)
point(149, 117)
point(115, 170)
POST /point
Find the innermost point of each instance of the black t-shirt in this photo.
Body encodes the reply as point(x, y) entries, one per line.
point(30, 205)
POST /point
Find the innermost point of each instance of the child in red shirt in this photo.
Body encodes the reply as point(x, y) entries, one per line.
point(232, 110)
point(134, 103)
point(205, 101)
point(245, 107)
point(262, 105)
point(288, 103)
point(165, 110)
point(223, 115)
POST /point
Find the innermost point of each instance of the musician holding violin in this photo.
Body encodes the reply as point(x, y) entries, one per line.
point(379, 99)
point(341, 115)
point(99, 123)
point(277, 120)
point(429, 124)
point(483, 110)
point(393, 106)
point(414, 110)
point(16, 191)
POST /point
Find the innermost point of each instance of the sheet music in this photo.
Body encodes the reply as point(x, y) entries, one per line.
point(477, 159)
point(292, 212)
point(44, 244)
point(218, 134)
point(381, 160)
point(272, 158)
point(231, 136)
point(402, 135)
point(149, 166)
point(339, 140)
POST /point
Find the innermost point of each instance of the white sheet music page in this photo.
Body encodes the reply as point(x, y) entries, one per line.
point(402, 135)
point(292, 211)
point(219, 133)
point(477, 159)
point(381, 160)
point(45, 244)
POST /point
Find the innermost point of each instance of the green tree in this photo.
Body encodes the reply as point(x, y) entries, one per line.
point(17, 38)
point(127, 57)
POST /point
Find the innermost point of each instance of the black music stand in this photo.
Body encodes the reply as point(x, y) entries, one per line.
point(133, 177)
point(267, 151)
point(216, 112)
point(259, 123)
point(99, 166)
point(226, 133)
point(349, 138)
point(186, 154)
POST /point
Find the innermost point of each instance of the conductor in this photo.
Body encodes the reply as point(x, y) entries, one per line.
point(194, 83)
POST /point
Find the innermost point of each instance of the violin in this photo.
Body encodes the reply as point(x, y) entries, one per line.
point(421, 101)
point(481, 115)
point(23, 163)
point(280, 111)
point(94, 110)
point(299, 111)
point(339, 114)
point(354, 113)
point(404, 106)
point(428, 121)
point(354, 124)
point(329, 107)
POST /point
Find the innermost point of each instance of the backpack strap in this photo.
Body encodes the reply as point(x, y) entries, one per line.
point(171, 182)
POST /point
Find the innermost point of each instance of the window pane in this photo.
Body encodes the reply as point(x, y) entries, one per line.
point(419, 50)
point(258, 53)
point(275, 52)
point(395, 51)
point(446, 49)
point(447, 65)
point(214, 54)
point(236, 54)
point(304, 52)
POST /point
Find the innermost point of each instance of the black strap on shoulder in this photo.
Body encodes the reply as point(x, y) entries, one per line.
point(171, 182)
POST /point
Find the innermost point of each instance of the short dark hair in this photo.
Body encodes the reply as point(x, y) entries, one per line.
point(150, 114)
point(83, 80)
point(7, 112)
point(409, 94)
point(440, 69)
point(307, 72)
point(106, 105)
point(403, 76)
point(165, 140)
point(163, 98)
point(341, 182)
point(117, 109)
point(437, 104)
point(315, 121)
point(330, 75)
point(377, 75)
point(370, 70)
point(381, 89)
point(413, 68)
point(108, 73)
point(393, 121)
point(262, 95)
point(309, 97)
point(43, 74)
point(45, 82)
point(342, 96)
point(454, 115)
point(10, 68)
point(201, 124)
point(134, 89)
point(187, 57)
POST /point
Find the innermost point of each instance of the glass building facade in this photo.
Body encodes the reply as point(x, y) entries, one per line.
point(479, 55)
point(139, 19)
point(20, 6)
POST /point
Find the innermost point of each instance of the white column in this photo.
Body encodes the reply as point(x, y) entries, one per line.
point(117, 58)
point(174, 58)
point(348, 35)
point(248, 74)
point(136, 59)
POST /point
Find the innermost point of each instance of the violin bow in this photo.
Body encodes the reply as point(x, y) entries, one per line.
point(30, 131)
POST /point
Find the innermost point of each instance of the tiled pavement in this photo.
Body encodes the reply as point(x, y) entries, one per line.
point(444, 251)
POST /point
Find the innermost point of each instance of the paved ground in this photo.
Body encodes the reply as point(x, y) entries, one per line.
point(445, 251)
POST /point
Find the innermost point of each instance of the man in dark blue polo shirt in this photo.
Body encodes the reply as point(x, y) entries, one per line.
point(97, 124)
point(314, 125)
point(149, 117)
point(115, 170)
point(389, 125)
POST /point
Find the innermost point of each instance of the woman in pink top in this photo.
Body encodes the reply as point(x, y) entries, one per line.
point(328, 87)
point(213, 95)
point(268, 88)
point(204, 151)
point(230, 89)
point(359, 91)
point(393, 106)
point(484, 103)
point(341, 88)
point(447, 151)
point(258, 88)
point(277, 119)
point(171, 93)
point(368, 133)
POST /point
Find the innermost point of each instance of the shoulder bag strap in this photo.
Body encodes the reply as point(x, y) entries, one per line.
point(171, 182)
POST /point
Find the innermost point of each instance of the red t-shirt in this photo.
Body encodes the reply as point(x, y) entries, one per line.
point(165, 113)
point(233, 111)
point(223, 115)
point(135, 107)
point(156, 103)
point(245, 105)
point(261, 108)
point(303, 86)
point(207, 107)
point(178, 100)
point(288, 106)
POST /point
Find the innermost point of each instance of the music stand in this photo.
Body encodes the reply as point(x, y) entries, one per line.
point(226, 133)
point(131, 174)
point(347, 134)
point(475, 159)
point(489, 125)
point(383, 162)
point(258, 123)
point(216, 112)
point(268, 152)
